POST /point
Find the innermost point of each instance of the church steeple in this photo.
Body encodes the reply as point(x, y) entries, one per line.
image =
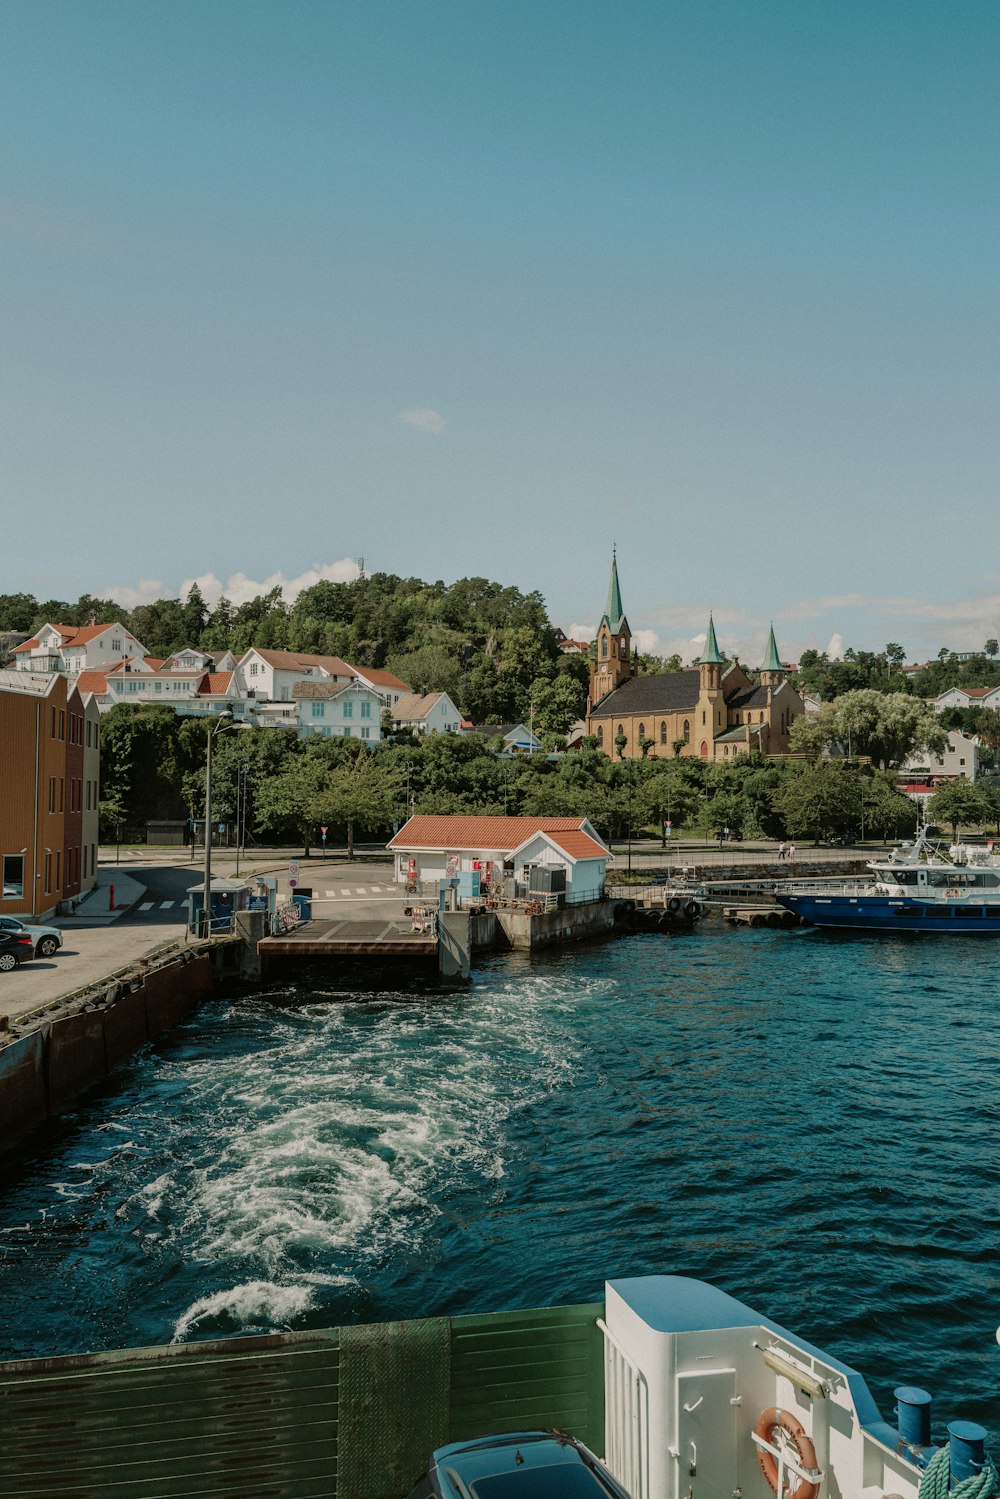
point(611, 653)
point(772, 670)
point(711, 661)
point(613, 612)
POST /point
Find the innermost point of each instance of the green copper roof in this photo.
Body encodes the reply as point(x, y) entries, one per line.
point(772, 661)
point(613, 612)
point(711, 655)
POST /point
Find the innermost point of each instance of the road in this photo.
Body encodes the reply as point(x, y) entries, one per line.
point(156, 893)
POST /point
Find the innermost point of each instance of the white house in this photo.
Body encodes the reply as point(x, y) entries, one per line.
point(389, 688)
point(76, 648)
point(502, 851)
point(961, 758)
point(273, 675)
point(427, 713)
point(968, 697)
point(339, 710)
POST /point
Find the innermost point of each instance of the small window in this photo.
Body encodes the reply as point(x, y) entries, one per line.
point(604, 645)
point(348, 710)
point(642, 731)
point(663, 732)
point(319, 710)
point(366, 709)
point(600, 733)
point(13, 876)
point(687, 731)
point(366, 733)
point(253, 668)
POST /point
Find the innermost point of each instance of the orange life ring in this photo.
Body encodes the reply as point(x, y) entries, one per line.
point(770, 1421)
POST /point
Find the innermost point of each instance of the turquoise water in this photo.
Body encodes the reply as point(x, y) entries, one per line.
point(810, 1121)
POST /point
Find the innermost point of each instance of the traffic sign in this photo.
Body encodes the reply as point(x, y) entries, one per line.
point(292, 883)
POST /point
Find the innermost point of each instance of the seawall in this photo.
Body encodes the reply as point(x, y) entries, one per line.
point(45, 1068)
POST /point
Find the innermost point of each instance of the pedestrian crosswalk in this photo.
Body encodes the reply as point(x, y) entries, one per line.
point(164, 905)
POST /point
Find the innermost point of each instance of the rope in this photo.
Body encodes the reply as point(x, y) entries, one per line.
point(937, 1475)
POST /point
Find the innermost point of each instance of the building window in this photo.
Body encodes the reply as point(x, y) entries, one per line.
point(58, 868)
point(48, 871)
point(600, 733)
point(348, 710)
point(253, 668)
point(687, 731)
point(642, 732)
point(663, 732)
point(13, 876)
point(346, 733)
point(366, 733)
point(319, 710)
point(366, 709)
point(604, 645)
point(703, 719)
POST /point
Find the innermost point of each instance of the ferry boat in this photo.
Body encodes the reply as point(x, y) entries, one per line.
point(918, 888)
point(670, 1385)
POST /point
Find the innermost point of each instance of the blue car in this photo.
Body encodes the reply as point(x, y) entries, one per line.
point(517, 1465)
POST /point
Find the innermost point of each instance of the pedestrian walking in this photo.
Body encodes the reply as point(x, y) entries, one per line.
point(781, 853)
point(791, 852)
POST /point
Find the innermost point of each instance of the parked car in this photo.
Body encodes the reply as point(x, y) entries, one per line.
point(15, 947)
point(517, 1465)
point(47, 939)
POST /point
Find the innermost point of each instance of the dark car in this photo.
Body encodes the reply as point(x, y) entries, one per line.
point(517, 1465)
point(15, 947)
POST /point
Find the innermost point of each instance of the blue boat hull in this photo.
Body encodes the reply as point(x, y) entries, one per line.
point(884, 913)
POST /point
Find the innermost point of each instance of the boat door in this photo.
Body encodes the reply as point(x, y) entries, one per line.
point(706, 1432)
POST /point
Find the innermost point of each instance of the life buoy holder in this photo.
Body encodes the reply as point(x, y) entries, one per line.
point(771, 1421)
point(952, 894)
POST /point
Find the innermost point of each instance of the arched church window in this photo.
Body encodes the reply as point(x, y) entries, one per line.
point(621, 730)
point(642, 731)
point(614, 647)
point(604, 645)
point(600, 733)
point(687, 731)
point(624, 645)
point(663, 731)
point(703, 718)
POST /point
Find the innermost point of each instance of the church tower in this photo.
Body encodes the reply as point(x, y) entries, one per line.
point(772, 673)
point(611, 652)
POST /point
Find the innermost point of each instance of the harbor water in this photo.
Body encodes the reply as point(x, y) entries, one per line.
point(808, 1120)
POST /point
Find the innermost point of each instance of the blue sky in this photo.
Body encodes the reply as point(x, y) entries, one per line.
point(477, 288)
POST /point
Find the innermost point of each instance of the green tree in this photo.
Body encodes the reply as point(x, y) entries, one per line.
point(361, 792)
point(883, 727)
point(821, 800)
point(959, 803)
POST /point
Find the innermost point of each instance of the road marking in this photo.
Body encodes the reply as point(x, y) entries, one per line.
point(146, 906)
point(360, 890)
point(167, 905)
point(330, 894)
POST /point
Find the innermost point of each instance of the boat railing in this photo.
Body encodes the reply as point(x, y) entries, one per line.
point(626, 1417)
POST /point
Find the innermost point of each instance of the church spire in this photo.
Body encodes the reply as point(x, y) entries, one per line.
point(772, 661)
point(613, 611)
point(711, 655)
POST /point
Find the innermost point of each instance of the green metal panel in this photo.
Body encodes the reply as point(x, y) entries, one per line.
point(263, 1418)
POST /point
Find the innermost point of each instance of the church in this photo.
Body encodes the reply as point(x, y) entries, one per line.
point(711, 710)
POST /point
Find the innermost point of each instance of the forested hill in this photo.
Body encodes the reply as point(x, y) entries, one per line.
point(491, 648)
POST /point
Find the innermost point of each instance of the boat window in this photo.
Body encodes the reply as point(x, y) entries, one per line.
point(905, 876)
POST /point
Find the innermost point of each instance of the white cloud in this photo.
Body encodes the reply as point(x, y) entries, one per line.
point(586, 633)
point(147, 591)
point(425, 419)
point(238, 588)
point(648, 642)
